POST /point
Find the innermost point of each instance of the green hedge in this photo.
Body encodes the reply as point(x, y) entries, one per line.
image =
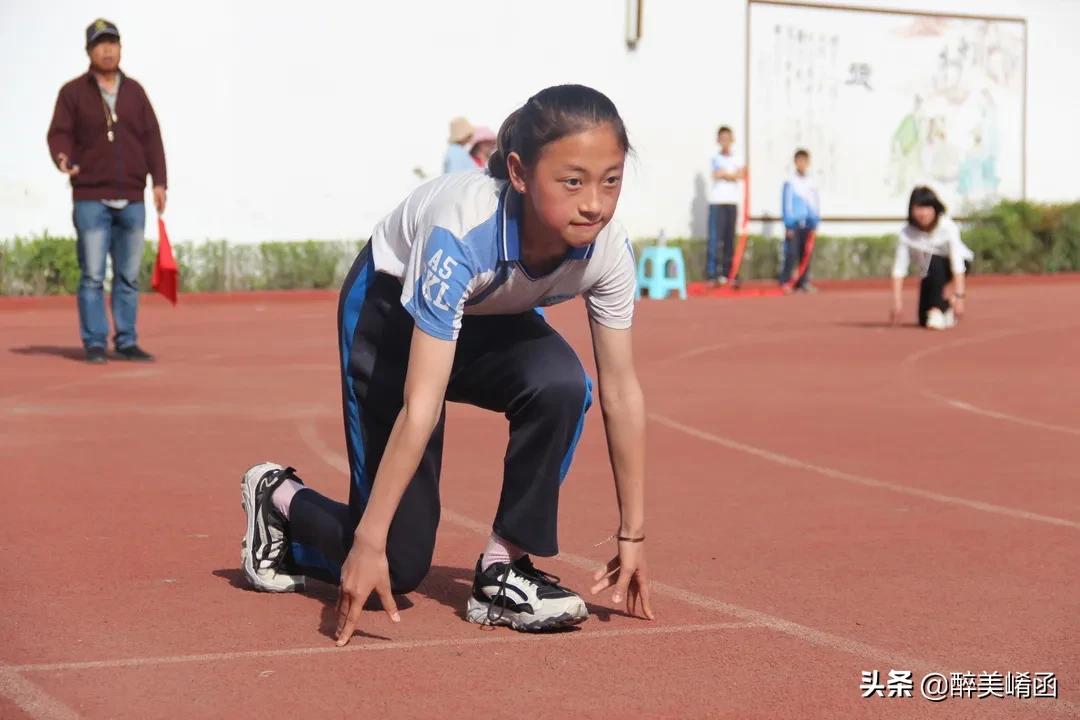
point(1026, 237)
point(48, 265)
point(216, 266)
point(1008, 238)
point(44, 265)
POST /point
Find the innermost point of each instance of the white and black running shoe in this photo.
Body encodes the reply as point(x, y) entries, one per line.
point(519, 595)
point(265, 546)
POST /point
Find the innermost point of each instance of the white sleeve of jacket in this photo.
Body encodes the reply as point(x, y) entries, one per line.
point(902, 261)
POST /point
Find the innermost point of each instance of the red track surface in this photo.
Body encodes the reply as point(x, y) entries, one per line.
point(827, 496)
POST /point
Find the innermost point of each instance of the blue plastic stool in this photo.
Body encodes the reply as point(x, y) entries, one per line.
point(656, 282)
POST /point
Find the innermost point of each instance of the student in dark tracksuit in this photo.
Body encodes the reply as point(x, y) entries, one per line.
point(440, 306)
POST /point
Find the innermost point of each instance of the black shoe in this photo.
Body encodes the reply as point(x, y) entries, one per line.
point(96, 355)
point(133, 352)
point(519, 595)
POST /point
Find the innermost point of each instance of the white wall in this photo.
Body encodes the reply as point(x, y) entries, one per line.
point(287, 121)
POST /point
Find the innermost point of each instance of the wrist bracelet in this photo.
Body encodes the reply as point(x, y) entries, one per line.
point(620, 538)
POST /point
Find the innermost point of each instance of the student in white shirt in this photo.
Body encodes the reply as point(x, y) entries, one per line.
point(932, 239)
point(441, 306)
point(726, 170)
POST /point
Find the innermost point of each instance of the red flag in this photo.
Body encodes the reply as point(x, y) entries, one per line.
point(740, 247)
point(166, 276)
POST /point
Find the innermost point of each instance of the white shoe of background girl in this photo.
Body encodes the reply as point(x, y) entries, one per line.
point(935, 319)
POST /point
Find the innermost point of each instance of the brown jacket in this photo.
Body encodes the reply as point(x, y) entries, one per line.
point(107, 170)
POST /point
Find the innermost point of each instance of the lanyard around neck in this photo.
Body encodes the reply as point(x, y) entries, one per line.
point(110, 114)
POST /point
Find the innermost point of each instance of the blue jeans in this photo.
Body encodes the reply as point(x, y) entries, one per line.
point(103, 231)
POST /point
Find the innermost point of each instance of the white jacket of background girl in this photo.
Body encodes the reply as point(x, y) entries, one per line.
point(944, 240)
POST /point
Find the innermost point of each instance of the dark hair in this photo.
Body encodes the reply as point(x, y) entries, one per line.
point(802, 152)
point(725, 129)
point(923, 196)
point(549, 115)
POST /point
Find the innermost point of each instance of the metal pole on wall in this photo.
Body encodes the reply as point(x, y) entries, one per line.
point(633, 22)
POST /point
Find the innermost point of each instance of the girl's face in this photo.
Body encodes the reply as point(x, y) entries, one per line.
point(575, 184)
point(924, 215)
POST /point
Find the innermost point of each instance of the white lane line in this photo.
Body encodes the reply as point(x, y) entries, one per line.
point(754, 618)
point(770, 339)
point(488, 638)
point(997, 415)
point(958, 404)
point(97, 379)
point(835, 474)
point(229, 410)
point(977, 340)
point(31, 699)
point(817, 637)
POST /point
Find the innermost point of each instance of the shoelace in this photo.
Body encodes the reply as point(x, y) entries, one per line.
point(526, 567)
point(529, 572)
point(500, 593)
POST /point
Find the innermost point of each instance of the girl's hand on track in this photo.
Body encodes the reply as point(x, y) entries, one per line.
point(365, 571)
point(894, 314)
point(628, 572)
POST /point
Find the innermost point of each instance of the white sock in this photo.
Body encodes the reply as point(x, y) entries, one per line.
point(499, 550)
point(282, 497)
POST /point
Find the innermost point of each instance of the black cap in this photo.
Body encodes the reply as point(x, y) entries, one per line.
point(98, 29)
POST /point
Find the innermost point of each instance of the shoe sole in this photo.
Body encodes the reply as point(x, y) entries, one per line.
point(247, 501)
point(477, 612)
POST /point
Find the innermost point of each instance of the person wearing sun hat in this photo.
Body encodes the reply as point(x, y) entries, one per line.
point(457, 157)
point(482, 145)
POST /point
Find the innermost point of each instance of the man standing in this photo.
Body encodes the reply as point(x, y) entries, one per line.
point(105, 137)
